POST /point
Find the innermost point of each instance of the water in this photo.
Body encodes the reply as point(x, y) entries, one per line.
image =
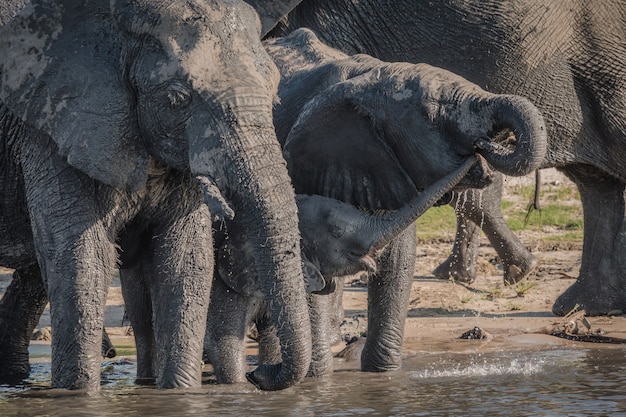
point(581, 382)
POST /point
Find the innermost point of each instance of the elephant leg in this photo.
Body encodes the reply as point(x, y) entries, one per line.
point(601, 285)
point(461, 263)
point(108, 350)
point(388, 301)
point(76, 255)
point(320, 309)
point(475, 209)
point(139, 310)
point(337, 312)
point(182, 254)
point(226, 327)
point(20, 309)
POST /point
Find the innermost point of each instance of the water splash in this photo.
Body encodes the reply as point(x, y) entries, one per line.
point(514, 367)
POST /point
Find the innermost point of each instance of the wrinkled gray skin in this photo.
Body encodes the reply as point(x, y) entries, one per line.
point(374, 135)
point(568, 57)
point(337, 239)
point(120, 119)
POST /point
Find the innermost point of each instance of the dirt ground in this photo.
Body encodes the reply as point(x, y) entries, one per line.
point(441, 311)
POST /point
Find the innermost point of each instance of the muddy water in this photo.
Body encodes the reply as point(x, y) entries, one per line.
point(528, 383)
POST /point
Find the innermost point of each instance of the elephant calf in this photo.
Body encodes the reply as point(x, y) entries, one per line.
point(337, 239)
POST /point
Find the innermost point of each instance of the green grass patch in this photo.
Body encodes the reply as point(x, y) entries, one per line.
point(559, 216)
point(125, 350)
point(438, 222)
point(560, 219)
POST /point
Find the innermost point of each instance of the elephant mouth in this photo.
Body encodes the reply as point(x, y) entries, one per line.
point(368, 263)
point(479, 176)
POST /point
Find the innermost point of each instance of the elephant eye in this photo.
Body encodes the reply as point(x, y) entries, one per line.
point(178, 95)
point(336, 232)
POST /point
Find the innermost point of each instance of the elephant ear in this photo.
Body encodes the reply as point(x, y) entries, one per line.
point(63, 78)
point(271, 11)
point(337, 148)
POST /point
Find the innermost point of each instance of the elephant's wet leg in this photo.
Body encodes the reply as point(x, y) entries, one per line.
point(320, 308)
point(108, 350)
point(388, 300)
point(227, 323)
point(138, 307)
point(474, 209)
point(337, 312)
point(20, 309)
point(461, 263)
point(181, 284)
point(77, 258)
point(601, 284)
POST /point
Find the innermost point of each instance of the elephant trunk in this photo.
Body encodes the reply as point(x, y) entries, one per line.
point(526, 122)
point(254, 180)
point(390, 225)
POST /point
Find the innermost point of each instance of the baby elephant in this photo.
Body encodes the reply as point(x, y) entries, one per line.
point(337, 239)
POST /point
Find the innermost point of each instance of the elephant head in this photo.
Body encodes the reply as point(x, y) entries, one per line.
point(118, 85)
point(337, 238)
point(415, 120)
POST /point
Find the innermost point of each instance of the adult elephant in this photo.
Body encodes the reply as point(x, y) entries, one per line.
point(126, 117)
point(567, 57)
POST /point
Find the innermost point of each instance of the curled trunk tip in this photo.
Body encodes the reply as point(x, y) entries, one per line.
point(527, 124)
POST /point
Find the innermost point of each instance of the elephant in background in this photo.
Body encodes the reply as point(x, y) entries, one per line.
point(123, 119)
point(567, 57)
point(374, 134)
point(337, 240)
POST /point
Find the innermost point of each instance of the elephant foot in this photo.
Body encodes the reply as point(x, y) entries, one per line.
point(599, 297)
point(515, 272)
point(377, 359)
point(321, 367)
point(453, 268)
point(145, 381)
point(107, 349)
point(13, 372)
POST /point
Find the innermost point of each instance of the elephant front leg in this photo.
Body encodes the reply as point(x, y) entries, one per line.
point(227, 323)
point(20, 309)
point(601, 285)
point(320, 310)
point(388, 300)
point(138, 307)
point(183, 269)
point(77, 288)
point(461, 263)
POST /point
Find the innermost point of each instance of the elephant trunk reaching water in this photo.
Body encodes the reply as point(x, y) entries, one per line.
point(252, 174)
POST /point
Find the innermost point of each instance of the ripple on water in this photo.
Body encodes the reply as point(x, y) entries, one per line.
point(540, 383)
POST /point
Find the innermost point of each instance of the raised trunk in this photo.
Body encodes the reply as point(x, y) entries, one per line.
point(390, 225)
point(526, 122)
